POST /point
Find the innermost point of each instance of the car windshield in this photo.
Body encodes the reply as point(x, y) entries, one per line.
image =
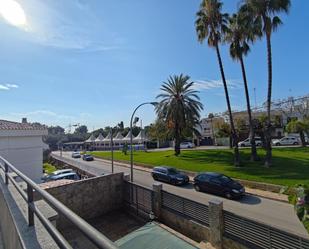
point(173, 171)
point(224, 179)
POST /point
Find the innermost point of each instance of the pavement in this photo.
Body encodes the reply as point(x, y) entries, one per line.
point(274, 213)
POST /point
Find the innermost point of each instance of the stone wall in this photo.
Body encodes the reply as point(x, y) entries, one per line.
point(90, 198)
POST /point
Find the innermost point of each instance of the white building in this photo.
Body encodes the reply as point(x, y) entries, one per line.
point(22, 145)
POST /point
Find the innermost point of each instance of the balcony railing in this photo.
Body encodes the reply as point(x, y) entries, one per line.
point(89, 231)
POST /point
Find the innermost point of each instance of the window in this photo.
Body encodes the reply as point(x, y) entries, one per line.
point(215, 180)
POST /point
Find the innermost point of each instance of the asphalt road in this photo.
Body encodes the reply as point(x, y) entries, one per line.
point(274, 213)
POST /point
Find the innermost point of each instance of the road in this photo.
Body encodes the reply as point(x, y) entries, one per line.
point(274, 213)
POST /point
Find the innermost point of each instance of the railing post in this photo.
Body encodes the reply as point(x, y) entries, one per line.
point(216, 224)
point(30, 201)
point(6, 171)
point(157, 199)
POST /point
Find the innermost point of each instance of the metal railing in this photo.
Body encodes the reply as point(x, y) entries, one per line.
point(261, 236)
point(138, 199)
point(89, 231)
point(185, 207)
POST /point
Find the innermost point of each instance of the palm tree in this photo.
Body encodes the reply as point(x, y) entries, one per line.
point(179, 106)
point(211, 25)
point(238, 34)
point(264, 12)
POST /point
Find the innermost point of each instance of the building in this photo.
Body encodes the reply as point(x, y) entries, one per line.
point(22, 145)
point(208, 128)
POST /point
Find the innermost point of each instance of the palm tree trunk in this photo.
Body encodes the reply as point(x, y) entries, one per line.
point(177, 140)
point(302, 139)
point(251, 128)
point(234, 135)
point(268, 124)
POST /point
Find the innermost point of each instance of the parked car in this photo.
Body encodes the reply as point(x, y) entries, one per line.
point(87, 157)
point(219, 184)
point(56, 173)
point(286, 141)
point(170, 175)
point(246, 142)
point(76, 155)
point(186, 145)
point(69, 176)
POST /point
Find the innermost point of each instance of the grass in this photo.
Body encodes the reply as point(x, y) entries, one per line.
point(290, 165)
point(49, 168)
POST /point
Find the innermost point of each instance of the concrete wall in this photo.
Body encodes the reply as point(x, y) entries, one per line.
point(190, 228)
point(90, 198)
point(8, 227)
point(24, 151)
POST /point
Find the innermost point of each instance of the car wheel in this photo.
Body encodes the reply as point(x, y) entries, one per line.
point(295, 143)
point(228, 195)
point(258, 144)
point(155, 177)
point(173, 181)
point(197, 188)
point(242, 145)
point(278, 144)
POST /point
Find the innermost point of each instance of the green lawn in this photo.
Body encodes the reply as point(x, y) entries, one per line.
point(290, 165)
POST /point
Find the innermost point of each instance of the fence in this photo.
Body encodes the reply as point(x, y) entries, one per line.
point(138, 199)
point(256, 235)
point(185, 207)
point(90, 232)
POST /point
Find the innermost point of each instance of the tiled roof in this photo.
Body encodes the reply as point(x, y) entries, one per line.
point(9, 125)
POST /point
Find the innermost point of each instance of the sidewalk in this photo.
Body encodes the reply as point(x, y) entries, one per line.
point(250, 191)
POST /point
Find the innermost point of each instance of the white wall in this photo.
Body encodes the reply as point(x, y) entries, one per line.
point(24, 152)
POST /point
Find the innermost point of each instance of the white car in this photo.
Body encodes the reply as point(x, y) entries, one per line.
point(286, 141)
point(186, 145)
point(246, 142)
point(76, 154)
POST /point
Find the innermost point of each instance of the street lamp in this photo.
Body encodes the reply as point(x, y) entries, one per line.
point(131, 135)
point(112, 149)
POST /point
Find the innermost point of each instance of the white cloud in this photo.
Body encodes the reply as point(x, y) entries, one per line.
point(7, 87)
point(214, 84)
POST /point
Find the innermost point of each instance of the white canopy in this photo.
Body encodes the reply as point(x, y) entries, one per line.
point(141, 137)
point(91, 139)
point(108, 138)
point(100, 138)
point(118, 138)
point(127, 137)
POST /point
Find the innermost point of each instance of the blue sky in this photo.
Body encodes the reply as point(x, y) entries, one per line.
point(92, 62)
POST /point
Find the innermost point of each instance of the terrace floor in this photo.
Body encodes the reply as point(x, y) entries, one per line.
point(128, 231)
point(113, 225)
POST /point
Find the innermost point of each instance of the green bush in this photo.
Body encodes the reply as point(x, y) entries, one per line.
point(48, 168)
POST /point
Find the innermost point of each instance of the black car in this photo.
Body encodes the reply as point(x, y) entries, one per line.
point(219, 184)
point(87, 157)
point(170, 175)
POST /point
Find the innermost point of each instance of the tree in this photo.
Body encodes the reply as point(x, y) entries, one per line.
point(179, 106)
point(264, 12)
point(211, 24)
point(81, 130)
point(300, 127)
point(238, 34)
point(158, 131)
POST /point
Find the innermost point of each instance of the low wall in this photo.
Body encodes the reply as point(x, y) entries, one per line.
point(190, 228)
point(10, 234)
point(90, 198)
point(194, 230)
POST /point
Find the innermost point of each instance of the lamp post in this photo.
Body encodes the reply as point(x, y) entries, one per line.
point(112, 149)
point(131, 135)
